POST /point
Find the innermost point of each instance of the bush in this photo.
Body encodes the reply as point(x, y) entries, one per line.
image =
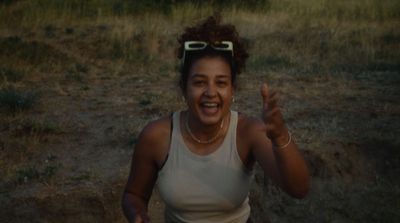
point(7, 2)
point(15, 100)
point(10, 75)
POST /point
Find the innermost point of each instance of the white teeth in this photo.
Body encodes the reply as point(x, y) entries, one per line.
point(207, 104)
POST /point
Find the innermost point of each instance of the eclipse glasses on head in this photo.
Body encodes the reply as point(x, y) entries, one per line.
point(201, 45)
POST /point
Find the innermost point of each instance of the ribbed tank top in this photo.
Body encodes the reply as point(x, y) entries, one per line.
point(205, 188)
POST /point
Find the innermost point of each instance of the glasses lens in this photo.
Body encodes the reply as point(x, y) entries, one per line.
point(196, 45)
point(221, 45)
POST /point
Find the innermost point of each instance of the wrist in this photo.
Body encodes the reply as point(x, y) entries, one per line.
point(283, 140)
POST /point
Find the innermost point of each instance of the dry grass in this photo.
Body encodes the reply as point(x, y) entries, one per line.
point(103, 71)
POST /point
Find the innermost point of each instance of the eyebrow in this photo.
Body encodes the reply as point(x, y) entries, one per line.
point(200, 75)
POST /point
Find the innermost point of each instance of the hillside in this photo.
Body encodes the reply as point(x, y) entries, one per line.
point(78, 81)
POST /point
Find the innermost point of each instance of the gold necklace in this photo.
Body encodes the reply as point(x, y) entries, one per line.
point(198, 140)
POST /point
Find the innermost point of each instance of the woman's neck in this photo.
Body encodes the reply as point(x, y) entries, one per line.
point(203, 131)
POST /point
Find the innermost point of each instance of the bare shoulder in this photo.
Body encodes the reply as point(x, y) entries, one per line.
point(154, 139)
point(157, 130)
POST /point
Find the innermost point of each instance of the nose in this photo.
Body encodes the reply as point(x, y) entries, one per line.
point(211, 90)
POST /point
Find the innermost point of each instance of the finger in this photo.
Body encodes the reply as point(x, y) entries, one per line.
point(273, 93)
point(138, 220)
point(275, 114)
point(265, 94)
point(146, 218)
point(142, 218)
point(273, 100)
point(269, 129)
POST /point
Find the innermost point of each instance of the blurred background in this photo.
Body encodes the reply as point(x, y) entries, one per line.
point(80, 79)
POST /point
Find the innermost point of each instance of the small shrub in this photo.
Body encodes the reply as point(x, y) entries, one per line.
point(51, 157)
point(28, 173)
point(32, 127)
point(49, 31)
point(76, 72)
point(10, 75)
point(16, 100)
point(74, 76)
point(132, 141)
point(7, 2)
point(83, 68)
point(69, 30)
point(34, 52)
point(145, 102)
point(32, 173)
point(117, 51)
point(49, 171)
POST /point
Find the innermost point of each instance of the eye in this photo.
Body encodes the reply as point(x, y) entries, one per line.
point(222, 83)
point(199, 82)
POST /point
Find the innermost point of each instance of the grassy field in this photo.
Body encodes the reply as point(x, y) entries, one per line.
point(80, 79)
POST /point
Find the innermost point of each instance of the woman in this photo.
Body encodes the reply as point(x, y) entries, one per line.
point(202, 158)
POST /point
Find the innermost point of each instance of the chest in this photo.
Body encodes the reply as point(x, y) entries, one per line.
point(203, 183)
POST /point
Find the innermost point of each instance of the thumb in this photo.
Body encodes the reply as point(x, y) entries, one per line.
point(141, 219)
point(265, 94)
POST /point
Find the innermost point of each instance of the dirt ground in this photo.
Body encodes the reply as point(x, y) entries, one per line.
point(347, 125)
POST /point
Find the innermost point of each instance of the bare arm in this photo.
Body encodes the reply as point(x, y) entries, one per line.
point(142, 177)
point(286, 166)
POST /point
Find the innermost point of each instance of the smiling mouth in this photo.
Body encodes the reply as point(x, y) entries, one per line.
point(209, 108)
point(209, 104)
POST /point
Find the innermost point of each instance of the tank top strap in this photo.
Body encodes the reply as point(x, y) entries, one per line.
point(233, 125)
point(230, 138)
point(176, 131)
point(176, 123)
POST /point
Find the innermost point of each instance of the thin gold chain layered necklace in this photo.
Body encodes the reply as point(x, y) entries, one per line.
point(201, 141)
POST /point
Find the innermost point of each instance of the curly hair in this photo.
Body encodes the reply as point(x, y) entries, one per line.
point(211, 30)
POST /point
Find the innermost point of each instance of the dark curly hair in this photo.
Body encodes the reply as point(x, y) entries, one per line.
point(211, 30)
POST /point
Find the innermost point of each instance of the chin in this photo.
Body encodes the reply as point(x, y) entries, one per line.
point(213, 118)
point(210, 120)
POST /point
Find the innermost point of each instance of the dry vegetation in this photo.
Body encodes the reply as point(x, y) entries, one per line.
point(79, 80)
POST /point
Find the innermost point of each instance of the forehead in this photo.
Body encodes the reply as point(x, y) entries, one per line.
point(210, 67)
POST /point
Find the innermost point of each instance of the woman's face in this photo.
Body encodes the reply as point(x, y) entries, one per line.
point(209, 89)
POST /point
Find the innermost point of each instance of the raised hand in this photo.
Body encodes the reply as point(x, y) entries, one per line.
point(272, 117)
point(143, 218)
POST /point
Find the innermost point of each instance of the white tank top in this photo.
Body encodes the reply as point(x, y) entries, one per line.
point(205, 188)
